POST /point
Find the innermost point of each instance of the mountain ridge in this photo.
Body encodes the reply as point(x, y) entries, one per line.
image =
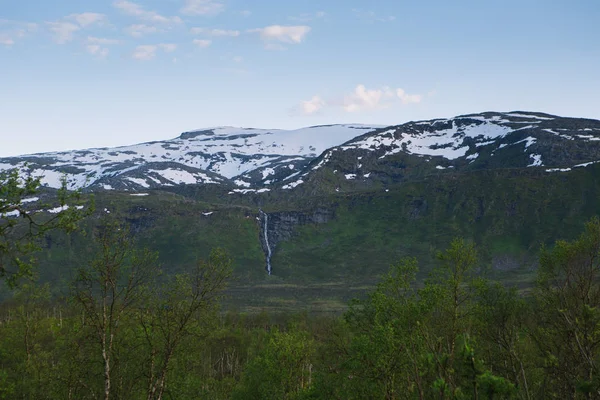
point(341, 216)
point(252, 160)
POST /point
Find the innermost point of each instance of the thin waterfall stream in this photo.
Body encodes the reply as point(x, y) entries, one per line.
point(266, 237)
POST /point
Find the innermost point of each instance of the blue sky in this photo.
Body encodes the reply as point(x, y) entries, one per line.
point(77, 74)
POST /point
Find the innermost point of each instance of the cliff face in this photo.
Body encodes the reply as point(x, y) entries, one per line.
point(281, 226)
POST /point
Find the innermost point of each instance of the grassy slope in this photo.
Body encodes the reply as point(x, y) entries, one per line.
point(509, 213)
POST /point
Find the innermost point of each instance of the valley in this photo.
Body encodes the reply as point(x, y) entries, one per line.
point(327, 220)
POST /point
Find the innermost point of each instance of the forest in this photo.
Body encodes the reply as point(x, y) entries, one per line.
point(125, 330)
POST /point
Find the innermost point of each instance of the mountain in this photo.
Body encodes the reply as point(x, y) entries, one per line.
point(330, 220)
point(249, 160)
point(239, 157)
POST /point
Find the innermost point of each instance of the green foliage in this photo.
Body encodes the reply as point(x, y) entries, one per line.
point(132, 332)
point(568, 308)
point(21, 229)
point(281, 370)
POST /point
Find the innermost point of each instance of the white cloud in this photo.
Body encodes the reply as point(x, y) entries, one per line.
point(139, 30)
point(408, 98)
point(148, 52)
point(97, 50)
point(245, 13)
point(87, 18)
point(369, 99)
point(202, 43)
point(6, 40)
point(104, 41)
point(168, 47)
point(145, 52)
point(313, 105)
point(238, 59)
point(361, 99)
point(63, 31)
point(202, 7)
point(10, 31)
point(284, 34)
point(135, 10)
point(96, 46)
point(214, 32)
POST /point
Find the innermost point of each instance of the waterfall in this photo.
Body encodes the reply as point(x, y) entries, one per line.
point(266, 237)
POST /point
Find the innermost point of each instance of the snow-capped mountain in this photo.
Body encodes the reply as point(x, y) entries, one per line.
point(463, 136)
point(468, 142)
point(246, 157)
point(256, 160)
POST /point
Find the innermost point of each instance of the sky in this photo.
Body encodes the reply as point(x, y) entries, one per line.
point(100, 73)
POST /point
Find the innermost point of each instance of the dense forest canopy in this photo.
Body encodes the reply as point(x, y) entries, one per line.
point(125, 330)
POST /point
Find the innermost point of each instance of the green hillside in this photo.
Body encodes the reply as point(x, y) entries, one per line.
point(320, 263)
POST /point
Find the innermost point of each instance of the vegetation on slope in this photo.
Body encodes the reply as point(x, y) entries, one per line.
point(456, 336)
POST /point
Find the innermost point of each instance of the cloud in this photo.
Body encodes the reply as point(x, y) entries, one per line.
point(202, 7)
point(6, 40)
point(202, 43)
point(139, 30)
point(364, 99)
point(145, 52)
point(313, 105)
point(63, 31)
point(308, 17)
point(238, 59)
point(281, 33)
point(214, 32)
point(97, 50)
point(168, 47)
point(245, 13)
point(360, 99)
point(86, 18)
point(10, 31)
point(148, 52)
point(97, 46)
point(135, 10)
point(408, 98)
point(103, 41)
point(369, 99)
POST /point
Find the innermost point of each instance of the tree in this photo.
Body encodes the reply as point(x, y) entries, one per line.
point(384, 356)
point(110, 289)
point(175, 311)
point(568, 315)
point(281, 370)
point(21, 228)
point(501, 322)
point(447, 303)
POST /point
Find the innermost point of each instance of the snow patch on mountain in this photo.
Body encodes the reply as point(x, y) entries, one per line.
point(448, 143)
point(226, 151)
point(293, 184)
point(536, 160)
point(521, 115)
